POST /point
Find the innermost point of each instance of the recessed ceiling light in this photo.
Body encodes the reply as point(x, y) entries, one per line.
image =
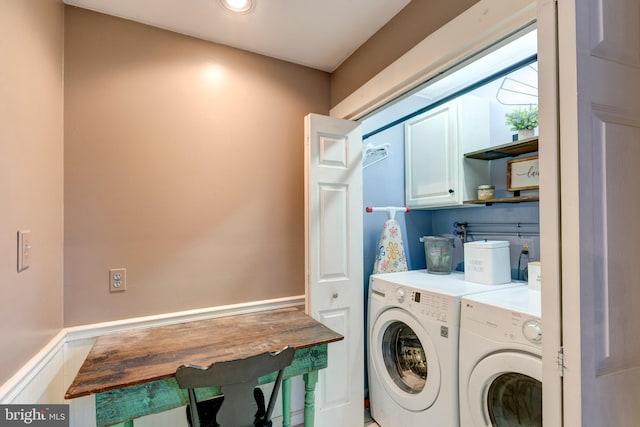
point(238, 5)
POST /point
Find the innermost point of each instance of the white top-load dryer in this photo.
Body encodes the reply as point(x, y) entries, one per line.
point(413, 330)
point(501, 359)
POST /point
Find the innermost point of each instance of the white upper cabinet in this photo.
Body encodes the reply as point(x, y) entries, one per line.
point(436, 173)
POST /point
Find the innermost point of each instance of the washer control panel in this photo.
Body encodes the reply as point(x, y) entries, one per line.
point(423, 304)
point(433, 306)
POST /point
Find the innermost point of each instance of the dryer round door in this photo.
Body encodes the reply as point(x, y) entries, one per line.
point(405, 360)
point(505, 390)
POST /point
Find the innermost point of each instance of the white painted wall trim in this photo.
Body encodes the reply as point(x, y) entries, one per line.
point(41, 377)
point(469, 33)
point(97, 329)
point(32, 369)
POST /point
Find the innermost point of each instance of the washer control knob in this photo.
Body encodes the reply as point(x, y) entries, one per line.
point(532, 331)
point(401, 295)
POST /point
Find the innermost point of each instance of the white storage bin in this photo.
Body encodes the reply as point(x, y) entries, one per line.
point(487, 262)
point(534, 275)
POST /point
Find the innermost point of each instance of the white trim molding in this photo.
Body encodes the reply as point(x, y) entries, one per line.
point(94, 330)
point(469, 33)
point(34, 368)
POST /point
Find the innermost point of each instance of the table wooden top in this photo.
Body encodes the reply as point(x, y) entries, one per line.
point(123, 359)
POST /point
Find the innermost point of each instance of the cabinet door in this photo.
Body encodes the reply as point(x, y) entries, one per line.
point(431, 158)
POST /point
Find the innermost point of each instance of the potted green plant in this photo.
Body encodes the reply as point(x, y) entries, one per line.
point(523, 120)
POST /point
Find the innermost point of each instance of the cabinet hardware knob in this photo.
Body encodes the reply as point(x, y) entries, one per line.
point(451, 191)
point(335, 295)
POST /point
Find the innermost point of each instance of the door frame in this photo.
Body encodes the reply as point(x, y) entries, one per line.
point(469, 33)
point(550, 222)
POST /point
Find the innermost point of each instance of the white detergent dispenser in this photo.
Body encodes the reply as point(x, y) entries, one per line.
point(487, 262)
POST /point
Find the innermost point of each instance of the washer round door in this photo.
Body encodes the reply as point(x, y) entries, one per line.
point(505, 390)
point(405, 360)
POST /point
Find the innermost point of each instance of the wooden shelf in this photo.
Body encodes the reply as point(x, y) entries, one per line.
point(515, 199)
point(511, 149)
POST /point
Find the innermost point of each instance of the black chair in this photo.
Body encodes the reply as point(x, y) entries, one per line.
point(237, 380)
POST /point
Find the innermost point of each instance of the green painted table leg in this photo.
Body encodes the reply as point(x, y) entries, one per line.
point(286, 402)
point(114, 406)
point(310, 381)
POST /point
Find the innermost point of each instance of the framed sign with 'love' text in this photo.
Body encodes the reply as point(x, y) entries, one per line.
point(523, 174)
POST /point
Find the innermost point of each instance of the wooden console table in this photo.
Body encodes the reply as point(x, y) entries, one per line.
point(132, 373)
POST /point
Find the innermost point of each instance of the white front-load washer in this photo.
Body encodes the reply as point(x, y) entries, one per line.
point(413, 333)
point(501, 359)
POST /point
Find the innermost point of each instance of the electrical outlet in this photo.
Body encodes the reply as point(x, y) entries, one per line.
point(528, 244)
point(117, 280)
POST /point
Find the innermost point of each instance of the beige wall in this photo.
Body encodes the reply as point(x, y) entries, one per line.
point(183, 164)
point(409, 27)
point(189, 177)
point(31, 185)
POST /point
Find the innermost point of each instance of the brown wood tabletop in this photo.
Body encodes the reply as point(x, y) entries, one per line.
point(122, 359)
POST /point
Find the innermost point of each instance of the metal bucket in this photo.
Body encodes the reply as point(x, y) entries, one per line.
point(439, 254)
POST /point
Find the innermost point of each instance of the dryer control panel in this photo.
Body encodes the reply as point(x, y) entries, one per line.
point(501, 324)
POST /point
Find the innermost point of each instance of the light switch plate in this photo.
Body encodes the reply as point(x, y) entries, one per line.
point(24, 250)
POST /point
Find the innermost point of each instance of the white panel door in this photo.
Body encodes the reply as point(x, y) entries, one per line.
point(599, 62)
point(334, 256)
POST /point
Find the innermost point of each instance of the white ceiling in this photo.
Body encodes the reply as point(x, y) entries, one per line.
point(315, 33)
